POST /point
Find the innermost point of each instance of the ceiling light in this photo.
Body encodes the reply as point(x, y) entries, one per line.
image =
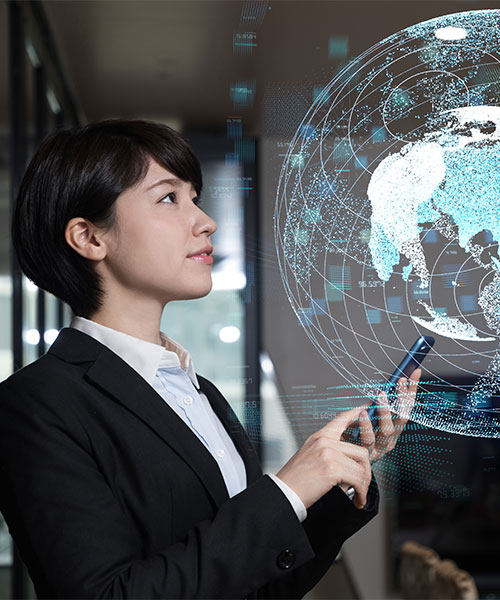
point(266, 364)
point(50, 336)
point(228, 280)
point(31, 336)
point(229, 334)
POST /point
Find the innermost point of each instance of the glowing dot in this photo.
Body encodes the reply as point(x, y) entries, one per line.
point(297, 161)
point(301, 237)
point(228, 280)
point(267, 365)
point(312, 215)
point(450, 33)
point(30, 285)
point(31, 336)
point(229, 334)
point(50, 336)
point(364, 236)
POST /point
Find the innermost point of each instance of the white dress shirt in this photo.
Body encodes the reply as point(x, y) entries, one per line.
point(169, 369)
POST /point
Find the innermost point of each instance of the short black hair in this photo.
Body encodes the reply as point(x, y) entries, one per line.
point(81, 173)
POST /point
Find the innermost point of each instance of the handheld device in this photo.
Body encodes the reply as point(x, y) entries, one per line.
point(410, 362)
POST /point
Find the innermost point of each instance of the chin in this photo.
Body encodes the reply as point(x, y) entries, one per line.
point(199, 293)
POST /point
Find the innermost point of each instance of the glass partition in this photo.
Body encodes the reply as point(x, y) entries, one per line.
point(29, 109)
point(5, 277)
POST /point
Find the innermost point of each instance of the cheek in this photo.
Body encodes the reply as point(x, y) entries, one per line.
point(157, 246)
point(136, 233)
point(130, 243)
point(151, 241)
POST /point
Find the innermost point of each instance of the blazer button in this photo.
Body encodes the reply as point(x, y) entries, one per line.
point(286, 559)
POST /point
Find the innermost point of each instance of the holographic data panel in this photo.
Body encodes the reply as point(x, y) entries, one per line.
point(387, 218)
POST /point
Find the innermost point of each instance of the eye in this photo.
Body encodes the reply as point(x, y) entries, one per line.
point(197, 201)
point(168, 198)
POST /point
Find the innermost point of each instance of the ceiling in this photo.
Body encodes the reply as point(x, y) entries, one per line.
point(174, 60)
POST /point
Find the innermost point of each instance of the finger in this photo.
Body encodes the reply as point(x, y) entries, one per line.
point(359, 499)
point(355, 471)
point(355, 452)
point(366, 433)
point(400, 397)
point(415, 376)
point(357, 476)
point(406, 395)
point(363, 470)
point(411, 391)
point(401, 386)
point(385, 425)
point(336, 427)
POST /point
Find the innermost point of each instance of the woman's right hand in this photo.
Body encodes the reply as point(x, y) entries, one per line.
point(325, 461)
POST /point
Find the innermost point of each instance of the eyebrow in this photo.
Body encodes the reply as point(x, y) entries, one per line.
point(172, 181)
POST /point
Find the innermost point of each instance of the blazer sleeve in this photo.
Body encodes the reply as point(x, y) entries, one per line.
point(78, 542)
point(330, 521)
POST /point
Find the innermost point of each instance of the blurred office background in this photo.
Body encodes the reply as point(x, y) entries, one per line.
point(236, 77)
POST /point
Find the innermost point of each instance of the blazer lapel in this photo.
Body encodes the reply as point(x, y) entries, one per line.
point(234, 428)
point(115, 377)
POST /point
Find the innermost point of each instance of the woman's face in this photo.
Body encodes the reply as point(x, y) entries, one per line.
point(154, 247)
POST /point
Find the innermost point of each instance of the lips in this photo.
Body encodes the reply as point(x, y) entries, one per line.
point(203, 255)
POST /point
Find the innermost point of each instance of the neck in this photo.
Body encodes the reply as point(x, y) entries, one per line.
point(140, 319)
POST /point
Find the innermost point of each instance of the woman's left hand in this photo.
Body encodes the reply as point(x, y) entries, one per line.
point(389, 425)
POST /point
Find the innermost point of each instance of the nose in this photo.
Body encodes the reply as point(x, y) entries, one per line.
point(204, 223)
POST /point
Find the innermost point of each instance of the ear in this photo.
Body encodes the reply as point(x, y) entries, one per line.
point(85, 238)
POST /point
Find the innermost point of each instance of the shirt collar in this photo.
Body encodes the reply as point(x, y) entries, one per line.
point(144, 357)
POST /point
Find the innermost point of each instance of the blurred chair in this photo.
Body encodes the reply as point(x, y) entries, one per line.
point(417, 570)
point(452, 582)
point(423, 575)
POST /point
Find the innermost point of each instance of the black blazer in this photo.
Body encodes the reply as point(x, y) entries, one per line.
point(107, 493)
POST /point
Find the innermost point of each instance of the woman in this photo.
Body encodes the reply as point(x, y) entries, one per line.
point(124, 473)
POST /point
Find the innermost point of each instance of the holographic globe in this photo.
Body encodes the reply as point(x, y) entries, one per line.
point(387, 218)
